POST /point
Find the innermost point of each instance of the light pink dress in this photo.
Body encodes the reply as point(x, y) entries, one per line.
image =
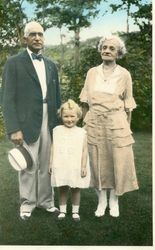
point(109, 136)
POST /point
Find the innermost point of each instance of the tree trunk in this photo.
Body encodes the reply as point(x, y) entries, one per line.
point(77, 46)
point(127, 20)
point(62, 54)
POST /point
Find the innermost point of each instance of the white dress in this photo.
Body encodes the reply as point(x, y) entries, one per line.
point(67, 155)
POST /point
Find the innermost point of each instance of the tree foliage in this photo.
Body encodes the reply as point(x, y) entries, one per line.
point(11, 19)
point(126, 5)
point(143, 18)
point(139, 62)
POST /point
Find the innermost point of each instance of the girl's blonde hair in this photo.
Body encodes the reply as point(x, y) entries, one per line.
point(70, 105)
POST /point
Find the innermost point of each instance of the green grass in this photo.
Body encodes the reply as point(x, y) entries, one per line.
point(132, 228)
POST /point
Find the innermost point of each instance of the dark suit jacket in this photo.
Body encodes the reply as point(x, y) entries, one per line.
point(22, 96)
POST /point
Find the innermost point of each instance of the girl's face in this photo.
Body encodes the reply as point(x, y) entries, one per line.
point(69, 118)
point(109, 50)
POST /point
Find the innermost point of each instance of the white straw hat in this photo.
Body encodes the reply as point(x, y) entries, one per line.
point(20, 158)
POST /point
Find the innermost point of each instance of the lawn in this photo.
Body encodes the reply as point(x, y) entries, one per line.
point(132, 228)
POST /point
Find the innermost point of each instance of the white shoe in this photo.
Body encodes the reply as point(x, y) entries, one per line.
point(102, 202)
point(113, 204)
point(53, 210)
point(25, 215)
point(100, 212)
point(76, 216)
point(114, 211)
point(61, 216)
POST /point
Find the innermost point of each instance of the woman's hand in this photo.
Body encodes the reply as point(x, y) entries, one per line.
point(50, 170)
point(128, 112)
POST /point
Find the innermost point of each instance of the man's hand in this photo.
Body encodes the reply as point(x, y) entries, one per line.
point(17, 138)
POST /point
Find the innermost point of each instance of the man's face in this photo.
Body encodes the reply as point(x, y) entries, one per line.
point(35, 40)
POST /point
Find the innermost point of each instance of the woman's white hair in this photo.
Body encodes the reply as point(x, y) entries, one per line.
point(120, 43)
point(30, 26)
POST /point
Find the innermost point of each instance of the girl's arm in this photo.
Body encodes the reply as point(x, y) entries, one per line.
point(84, 158)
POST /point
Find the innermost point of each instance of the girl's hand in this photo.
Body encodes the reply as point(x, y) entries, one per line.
point(83, 172)
point(50, 171)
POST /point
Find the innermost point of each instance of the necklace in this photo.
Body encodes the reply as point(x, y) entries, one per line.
point(107, 72)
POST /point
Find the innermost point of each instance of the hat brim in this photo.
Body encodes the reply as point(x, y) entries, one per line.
point(20, 158)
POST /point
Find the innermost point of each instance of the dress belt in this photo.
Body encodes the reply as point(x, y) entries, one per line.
point(108, 112)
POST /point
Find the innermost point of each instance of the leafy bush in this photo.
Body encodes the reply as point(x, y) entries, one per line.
point(74, 77)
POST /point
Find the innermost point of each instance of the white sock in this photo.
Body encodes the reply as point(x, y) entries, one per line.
point(102, 198)
point(102, 203)
point(113, 199)
point(75, 209)
point(63, 208)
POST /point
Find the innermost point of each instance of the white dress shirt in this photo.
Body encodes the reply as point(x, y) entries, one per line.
point(41, 73)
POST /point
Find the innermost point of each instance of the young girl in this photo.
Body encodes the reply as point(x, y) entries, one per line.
point(69, 166)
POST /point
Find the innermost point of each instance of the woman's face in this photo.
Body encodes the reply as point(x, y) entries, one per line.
point(69, 117)
point(109, 50)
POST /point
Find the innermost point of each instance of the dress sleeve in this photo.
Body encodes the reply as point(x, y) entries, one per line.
point(84, 92)
point(129, 101)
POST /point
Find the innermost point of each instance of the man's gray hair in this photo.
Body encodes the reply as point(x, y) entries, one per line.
point(121, 45)
point(31, 25)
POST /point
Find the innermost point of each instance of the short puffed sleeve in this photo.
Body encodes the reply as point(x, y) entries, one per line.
point(84, 92)
point(129, 101)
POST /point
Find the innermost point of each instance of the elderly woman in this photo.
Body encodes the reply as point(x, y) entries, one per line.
point(107, 94)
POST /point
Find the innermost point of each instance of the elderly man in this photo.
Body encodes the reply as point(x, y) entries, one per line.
point(30, 101)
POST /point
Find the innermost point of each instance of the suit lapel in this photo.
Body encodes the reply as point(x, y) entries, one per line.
point(29, 66)
point(31, 70)
point(49, 70)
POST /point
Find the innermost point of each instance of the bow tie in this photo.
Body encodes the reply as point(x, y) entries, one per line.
point(37, 57)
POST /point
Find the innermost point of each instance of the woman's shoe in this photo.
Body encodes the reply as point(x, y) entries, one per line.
point(114, 211)
point(100, 211)
point(102, 202)
point(113, 204)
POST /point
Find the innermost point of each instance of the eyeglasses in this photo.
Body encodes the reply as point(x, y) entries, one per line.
point(34, 34)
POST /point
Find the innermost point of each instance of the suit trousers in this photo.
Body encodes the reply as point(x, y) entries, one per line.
point(35, 184)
